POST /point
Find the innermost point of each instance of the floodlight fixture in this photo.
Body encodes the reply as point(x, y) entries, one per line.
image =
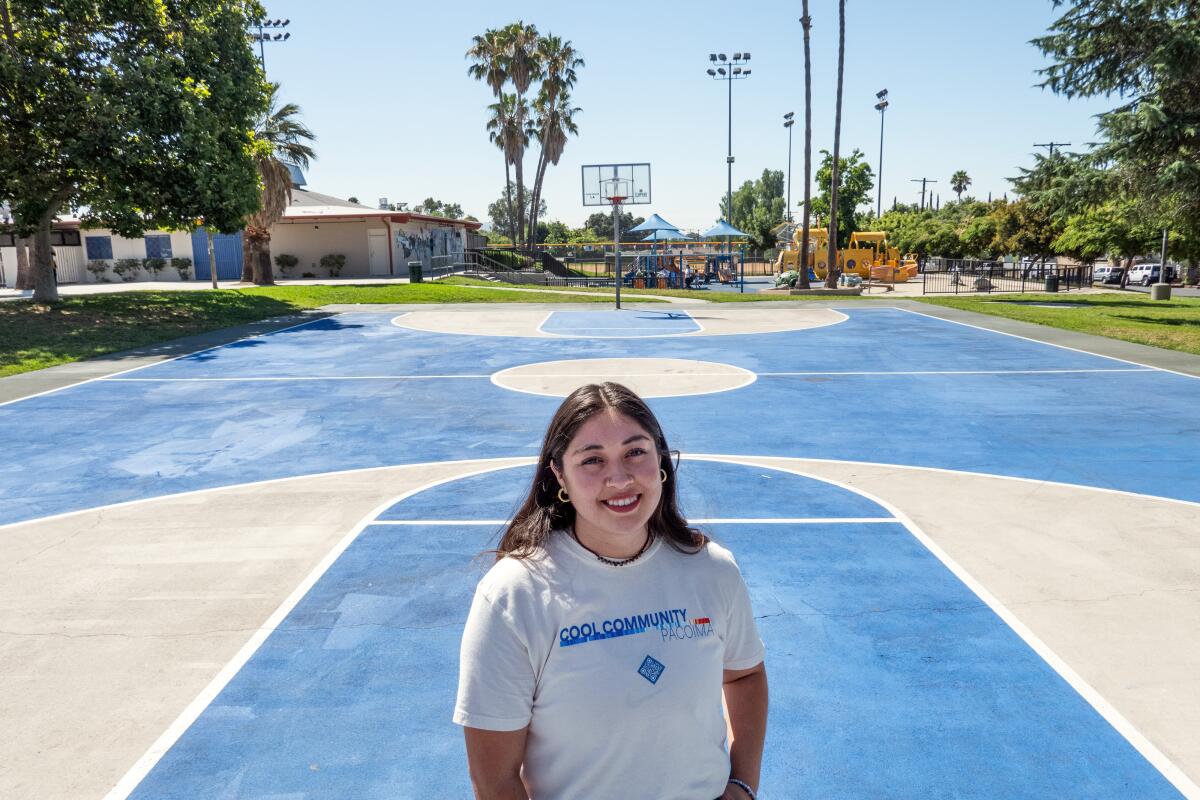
point(737, 56)
point(746, 56)
point(881, 105)
point(720, 70)
point(737, 70)
point(881, 94)
point(712, 72)
point(712, 56)
point(789, 123)
point(722, 57)
point(789, 115)
point(745, 72)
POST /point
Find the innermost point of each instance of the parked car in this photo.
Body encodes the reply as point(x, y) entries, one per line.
point(1146, 274)
point(1107, 273)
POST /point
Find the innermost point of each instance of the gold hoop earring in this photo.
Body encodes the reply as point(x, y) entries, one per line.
point(662, 475)
point(562, 495)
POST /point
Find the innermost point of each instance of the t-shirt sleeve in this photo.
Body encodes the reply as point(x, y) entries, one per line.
point(743, 646)
point(495, 674)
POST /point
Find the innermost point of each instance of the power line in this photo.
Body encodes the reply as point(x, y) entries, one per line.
point(923, 182)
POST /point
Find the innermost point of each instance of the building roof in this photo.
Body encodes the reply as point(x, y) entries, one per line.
point(314, 205)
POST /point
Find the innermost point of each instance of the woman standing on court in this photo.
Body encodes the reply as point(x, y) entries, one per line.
point(600, 645)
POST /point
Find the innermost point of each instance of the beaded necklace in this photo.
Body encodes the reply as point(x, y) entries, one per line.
point(613, 562)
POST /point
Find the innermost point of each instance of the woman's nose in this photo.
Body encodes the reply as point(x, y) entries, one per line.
point(619, 477)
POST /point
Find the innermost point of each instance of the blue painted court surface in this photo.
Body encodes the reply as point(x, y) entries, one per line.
point(602, 324)
point(889, 677)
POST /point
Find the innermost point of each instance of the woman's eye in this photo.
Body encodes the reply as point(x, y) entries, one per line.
point(592, 460)
point(637, 451)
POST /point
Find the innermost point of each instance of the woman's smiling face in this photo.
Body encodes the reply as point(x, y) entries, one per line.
point(610, 469)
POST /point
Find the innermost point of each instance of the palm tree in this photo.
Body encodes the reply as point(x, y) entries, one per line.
point(959, 182)
point(488, 53)
point(806, 22)
point(556, 121)
point(558, 60)
point(507, 128)
point(830, 276)
point(523, 68)
point(279, 139)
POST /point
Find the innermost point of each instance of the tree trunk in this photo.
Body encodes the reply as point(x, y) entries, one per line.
point(830, 276)
point(247, 258)
point(24, 281)
point(806, 21)
point(520, 170)
point(264, 275)
point(45, 287)
point(512, 219)
point(538, 174)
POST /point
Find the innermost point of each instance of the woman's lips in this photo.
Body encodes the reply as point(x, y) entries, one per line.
point(622, 509)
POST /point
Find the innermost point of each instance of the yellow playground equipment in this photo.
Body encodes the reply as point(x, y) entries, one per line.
point(868, 256)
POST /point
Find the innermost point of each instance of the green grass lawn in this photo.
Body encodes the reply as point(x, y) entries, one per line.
point(1174, 325)
point(34, 337)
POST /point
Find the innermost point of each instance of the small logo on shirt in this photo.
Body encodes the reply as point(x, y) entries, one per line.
point(651, 669)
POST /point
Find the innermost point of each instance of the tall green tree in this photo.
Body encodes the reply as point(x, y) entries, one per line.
point(757, 207)
point(855, 182)
point(508, 129)
point(806, 24)
point(489, 64)
point(553, 114)
point(1147, 53)
point(437, 208)
point(498, 213)
point(139, 112)
point(959, 182)
point(280, 138)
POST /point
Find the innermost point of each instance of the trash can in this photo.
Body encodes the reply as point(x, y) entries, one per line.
point(1051, 283)
point(414, 272)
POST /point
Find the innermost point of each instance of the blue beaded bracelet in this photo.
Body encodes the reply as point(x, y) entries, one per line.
point(744, 787)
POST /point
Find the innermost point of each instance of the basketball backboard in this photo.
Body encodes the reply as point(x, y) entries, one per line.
point(603, 182)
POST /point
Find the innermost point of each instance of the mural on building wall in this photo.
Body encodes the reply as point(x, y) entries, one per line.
point(426, 243)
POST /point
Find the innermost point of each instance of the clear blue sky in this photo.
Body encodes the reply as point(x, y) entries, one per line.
point(384, 86)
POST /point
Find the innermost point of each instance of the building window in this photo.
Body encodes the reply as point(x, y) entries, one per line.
point(98, 247)
point(158, 246)
point(64, 238)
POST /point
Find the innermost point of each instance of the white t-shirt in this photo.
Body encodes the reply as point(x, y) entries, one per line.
point(617, 671)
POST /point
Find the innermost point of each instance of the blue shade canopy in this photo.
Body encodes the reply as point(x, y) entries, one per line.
point(665, 235)
point(722, 228)
point(655, 223)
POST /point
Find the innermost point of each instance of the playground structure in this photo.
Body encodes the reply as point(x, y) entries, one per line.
point(683, 267)
point(868, 256)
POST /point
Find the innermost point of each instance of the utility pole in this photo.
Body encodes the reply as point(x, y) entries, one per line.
point(1052, 145)
point(923, 182)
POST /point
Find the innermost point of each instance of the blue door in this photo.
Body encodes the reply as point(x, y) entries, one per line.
point(227, 248)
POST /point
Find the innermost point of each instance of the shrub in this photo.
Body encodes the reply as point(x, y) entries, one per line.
point(154, 266)
point(183, 266)
point(309, 275)
point(333, 262)
point(99, 270)
point(285, 262)
point(788, 278)
point(127, 268)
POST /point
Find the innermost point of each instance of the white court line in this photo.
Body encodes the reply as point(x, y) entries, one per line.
point(171, 735)
point(298, 378)
point(167, 360)
point(1168, 769)
point(691, 521)
point(961, 372)
point(1114, 717)
point(1048, 344)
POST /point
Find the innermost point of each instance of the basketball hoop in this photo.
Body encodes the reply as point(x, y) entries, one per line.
point(615, 190)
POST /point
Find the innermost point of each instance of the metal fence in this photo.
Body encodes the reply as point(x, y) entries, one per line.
point(966, 276)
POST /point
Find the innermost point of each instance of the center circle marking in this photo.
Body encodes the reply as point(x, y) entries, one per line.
point(649, 377)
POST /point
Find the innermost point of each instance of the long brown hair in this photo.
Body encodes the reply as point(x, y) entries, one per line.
point(541, 513)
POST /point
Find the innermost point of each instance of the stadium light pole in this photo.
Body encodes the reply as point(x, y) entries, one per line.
point(788, 123)
point(729, 70)
point(881, 107)
point(268, 32)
